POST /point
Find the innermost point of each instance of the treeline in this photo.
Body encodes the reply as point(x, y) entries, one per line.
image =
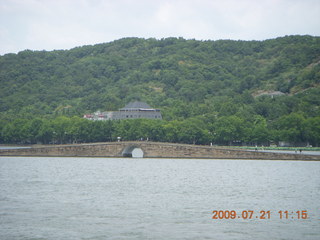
point(225, 130)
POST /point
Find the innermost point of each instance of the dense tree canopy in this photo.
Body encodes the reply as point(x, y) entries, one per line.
point(208, 91)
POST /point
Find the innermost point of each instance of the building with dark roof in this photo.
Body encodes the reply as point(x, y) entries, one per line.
point(132, 110)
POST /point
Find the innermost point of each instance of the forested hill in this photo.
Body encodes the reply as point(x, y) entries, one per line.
point(184, 78)
point(164, 73)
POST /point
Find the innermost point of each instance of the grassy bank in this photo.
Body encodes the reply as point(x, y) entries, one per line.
point(282, 148)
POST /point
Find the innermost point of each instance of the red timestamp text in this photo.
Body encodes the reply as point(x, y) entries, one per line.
point(262, 214)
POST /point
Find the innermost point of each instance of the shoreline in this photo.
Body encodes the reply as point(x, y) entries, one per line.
point(181, 158)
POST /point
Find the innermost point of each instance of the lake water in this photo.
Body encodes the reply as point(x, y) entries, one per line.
point(123, 198)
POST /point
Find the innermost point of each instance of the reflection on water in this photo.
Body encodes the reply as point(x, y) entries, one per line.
point(136, 198)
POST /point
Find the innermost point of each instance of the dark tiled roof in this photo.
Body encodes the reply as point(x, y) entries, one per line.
point(136, 105)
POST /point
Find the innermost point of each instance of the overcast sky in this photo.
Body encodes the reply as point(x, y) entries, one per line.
point(64, 24)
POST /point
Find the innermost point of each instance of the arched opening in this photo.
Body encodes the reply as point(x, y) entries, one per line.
point(137, 153)
point(132, 151)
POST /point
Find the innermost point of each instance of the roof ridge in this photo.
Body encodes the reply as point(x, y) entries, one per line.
point(137, 105)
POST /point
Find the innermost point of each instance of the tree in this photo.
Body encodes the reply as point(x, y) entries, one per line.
point(229, 129)
point(46, 133)
point(311, 129)
point(259, 132)
point(16, 132)
point(290, 128)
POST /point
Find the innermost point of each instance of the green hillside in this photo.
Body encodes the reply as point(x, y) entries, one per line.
point(213, 82)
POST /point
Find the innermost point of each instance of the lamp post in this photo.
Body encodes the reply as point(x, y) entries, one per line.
point(54, 134)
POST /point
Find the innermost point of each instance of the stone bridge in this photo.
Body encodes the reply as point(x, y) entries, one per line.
point(150, 150)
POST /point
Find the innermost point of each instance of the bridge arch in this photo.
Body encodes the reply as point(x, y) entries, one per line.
point(132, 151)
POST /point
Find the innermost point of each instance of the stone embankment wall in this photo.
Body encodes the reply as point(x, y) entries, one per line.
point(150, 150)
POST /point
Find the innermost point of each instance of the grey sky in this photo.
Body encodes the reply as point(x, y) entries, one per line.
point(64, 24)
